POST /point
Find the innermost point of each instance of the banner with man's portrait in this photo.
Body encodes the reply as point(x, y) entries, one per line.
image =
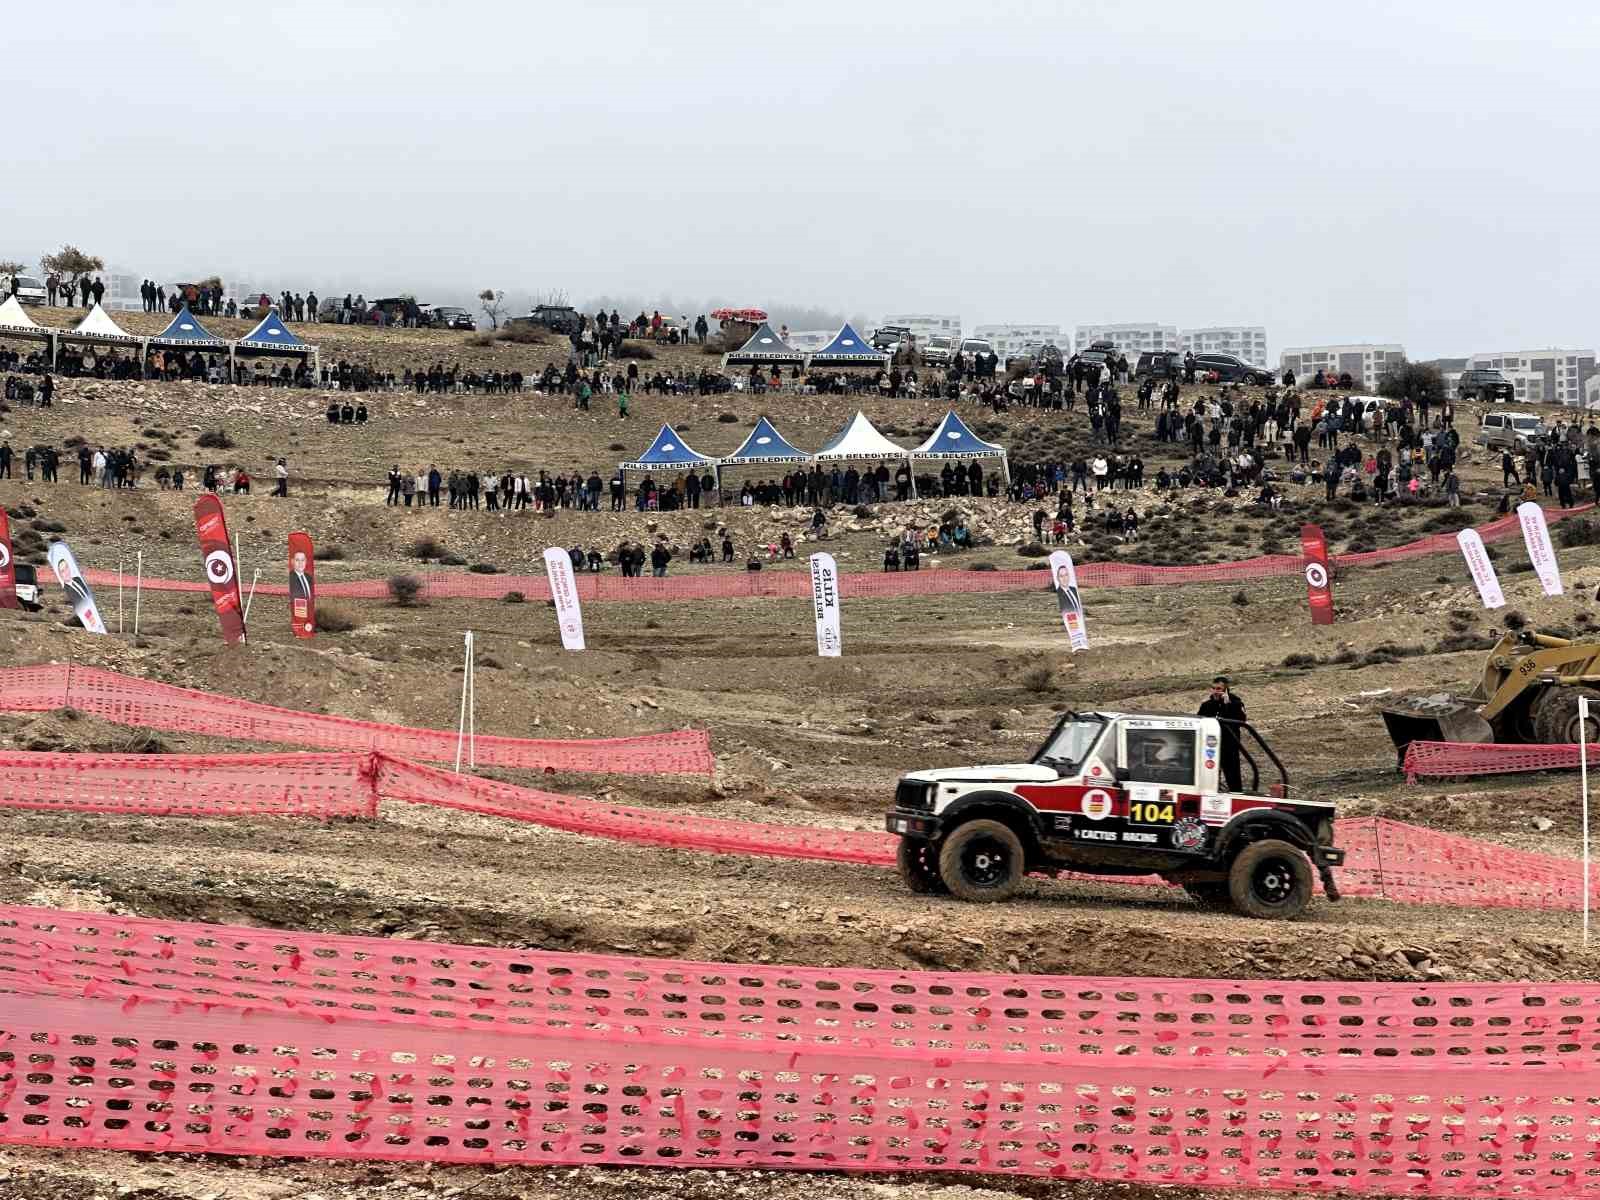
point(65, 567)
point(302, 586)
point(1064, 579)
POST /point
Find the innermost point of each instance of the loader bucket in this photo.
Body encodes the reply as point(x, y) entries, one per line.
point(1437, 718)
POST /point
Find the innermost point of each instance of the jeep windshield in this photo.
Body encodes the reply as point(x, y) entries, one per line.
point(1071, 742)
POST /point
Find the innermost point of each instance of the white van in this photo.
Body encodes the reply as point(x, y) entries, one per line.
point(29, 290)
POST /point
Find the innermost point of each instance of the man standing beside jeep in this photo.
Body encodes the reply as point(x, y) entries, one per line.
point(1225, 707)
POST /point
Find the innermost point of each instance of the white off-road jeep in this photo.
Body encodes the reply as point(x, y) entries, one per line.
point(1121, 794)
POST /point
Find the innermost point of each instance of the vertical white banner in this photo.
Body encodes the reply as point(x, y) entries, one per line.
point(72, 582)
point(1488, 583)
point(1536, 536)
point(825, 603)
point(564, 591)
point(1064, 579)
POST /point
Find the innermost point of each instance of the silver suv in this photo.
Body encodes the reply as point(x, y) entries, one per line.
point(1506, 430)
point(939, 350)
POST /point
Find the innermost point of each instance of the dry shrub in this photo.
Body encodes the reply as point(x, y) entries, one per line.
point(335, 618)
point(405, 590)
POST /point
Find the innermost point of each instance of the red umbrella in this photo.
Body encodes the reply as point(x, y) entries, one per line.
point(753, 315)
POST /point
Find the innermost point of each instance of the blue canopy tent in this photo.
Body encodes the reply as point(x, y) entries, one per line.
point(185, 331)
point(765, 445)
point(952, 439)
point(669, 453)
point(272, 336)
point(764, 347)
point(848, 348)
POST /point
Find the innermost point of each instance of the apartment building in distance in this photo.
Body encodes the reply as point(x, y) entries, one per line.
point(1365, 361)
point(1542, 376)
point(1131, 340)
point(1247, 342)
point(926, 325)
point(1008, 340)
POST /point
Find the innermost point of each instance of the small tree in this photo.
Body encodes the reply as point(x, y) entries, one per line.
point(71, 264)
point(8, 269)
point(211, 282)
point(494, 304)
point(1412, 379)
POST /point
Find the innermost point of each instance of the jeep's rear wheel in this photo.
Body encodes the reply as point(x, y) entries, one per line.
point(919, 867)
point(1270, 880)
point(982, 861)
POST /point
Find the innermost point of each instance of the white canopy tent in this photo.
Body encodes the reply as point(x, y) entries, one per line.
point(97, 327)
point(860, 439)
point(15, 322)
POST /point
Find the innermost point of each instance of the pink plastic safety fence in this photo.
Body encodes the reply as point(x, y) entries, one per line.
point(141, 1035)
point(1444, 760)
point(794, 584)
point(166, 785)
point(417, 784)
point(1391, 860)
point(1384, 859)
point(131, 701)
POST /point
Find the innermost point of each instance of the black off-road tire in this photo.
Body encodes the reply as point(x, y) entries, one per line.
point(982, 861)
point(1555, 720)
point(1270, 880)
point(919, 867)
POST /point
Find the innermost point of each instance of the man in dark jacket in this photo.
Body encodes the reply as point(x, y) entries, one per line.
point(1225, 707)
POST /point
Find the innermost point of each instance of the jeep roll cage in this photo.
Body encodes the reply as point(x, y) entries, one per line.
point(1241, 729)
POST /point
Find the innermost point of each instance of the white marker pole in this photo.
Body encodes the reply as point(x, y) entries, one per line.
point(461, 723)
point(119, 595)
point(1583, 767)
point(472, 700)
point(138, 590)
point(253, 580)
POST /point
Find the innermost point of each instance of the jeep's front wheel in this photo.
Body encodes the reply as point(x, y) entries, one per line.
point(982, 861)
point(919, 867)
point(1270, 880)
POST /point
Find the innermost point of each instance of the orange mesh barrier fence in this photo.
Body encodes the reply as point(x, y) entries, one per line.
point(167, 785)
point(131, 701)
point(797, 584)
point(142, 1035)
point(1444, 760)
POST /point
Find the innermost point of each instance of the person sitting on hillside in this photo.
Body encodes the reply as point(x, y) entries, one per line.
point(891, 557)
point(333, 412)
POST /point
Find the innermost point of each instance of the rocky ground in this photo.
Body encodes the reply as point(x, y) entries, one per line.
point(925, 681)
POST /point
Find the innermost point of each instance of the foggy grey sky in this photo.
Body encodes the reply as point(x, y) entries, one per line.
point(1421, 172)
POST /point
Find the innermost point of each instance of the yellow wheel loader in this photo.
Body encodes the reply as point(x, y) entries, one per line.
point(1529, 693)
